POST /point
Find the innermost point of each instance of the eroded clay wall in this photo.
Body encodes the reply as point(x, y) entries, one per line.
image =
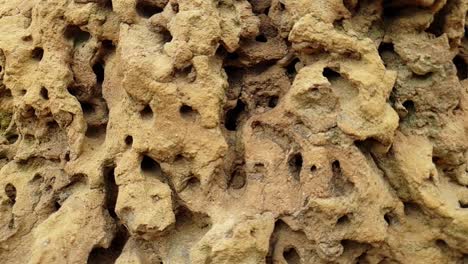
point(233, 131)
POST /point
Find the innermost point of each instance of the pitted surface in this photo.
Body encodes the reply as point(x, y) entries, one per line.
point(233, 131)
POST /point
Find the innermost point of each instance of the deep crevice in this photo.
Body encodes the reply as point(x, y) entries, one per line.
point(101, 255)
point(87, 108)
point(295, 165)
point(98, 69)
point(232, 116)
point(460, 64)
point(111, 190)
point(291, 68)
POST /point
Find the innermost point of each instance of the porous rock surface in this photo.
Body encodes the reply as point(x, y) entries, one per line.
point(233, 131)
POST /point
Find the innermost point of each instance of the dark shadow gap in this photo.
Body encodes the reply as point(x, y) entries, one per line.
point(146, 113)
point(37, 53)
point(460, 64)
point(75, 33)
point(232, 116)
point(111, 189)
point(98, 69)
point(295, 165)
point(44, 93)
point(109, 255)
point(147, 9)
point(10, 191)
point(291, 256)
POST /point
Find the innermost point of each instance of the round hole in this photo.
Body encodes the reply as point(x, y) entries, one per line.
point(44, 93)
point(343, 220)
point(313, 168)
point(37, 53)
point(291, 256)
point(187, 112)
point(146, 113)
point(273, 101)
point(129, 140)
